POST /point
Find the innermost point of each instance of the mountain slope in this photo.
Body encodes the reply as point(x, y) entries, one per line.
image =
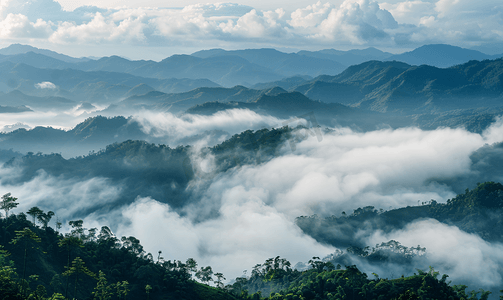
point(440, 55)
point(399, 87)
point(93, 86)
point(21, 49)
point(286, 64)
point(348, 58)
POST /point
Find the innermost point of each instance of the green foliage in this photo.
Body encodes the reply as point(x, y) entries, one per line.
point(477, 211)
point(123, 267)
point(126, 271)
point(8, 202)
point(103, 291)
point(34, 212)
point(204, 274)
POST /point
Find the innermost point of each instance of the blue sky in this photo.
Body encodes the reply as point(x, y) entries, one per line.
point(156, 29)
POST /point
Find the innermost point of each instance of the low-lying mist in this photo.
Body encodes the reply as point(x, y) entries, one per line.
point(237, 217)
point(154, 127)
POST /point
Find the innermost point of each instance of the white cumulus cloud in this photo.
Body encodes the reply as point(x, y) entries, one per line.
point(45, 85)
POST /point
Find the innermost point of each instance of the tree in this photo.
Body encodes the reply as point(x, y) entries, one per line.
point(319, 265)
point(25, 235)
point(78, 267)
point(77, 229)
point(34, 212)
point(69, 242)
point(103, 291)
point(8, 202)
point(133, 245)
point(191, 266)
point(8, 287)
point(122, 289)
point(204, 274)
point(148, 288)
point(45, 218)
point(220, 278)
point(39, 294)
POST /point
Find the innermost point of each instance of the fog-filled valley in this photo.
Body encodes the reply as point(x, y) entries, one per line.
point(235, 157)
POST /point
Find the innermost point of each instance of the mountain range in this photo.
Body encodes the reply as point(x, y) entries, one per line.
point(92, 86)
point(398, 87)
point(241, 67)
point(384, 91)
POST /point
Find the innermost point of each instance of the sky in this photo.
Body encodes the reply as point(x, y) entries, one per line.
point(156, 29)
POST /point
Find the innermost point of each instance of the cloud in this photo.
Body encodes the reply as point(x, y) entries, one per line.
point(410, 12)
point(240, 238)
point(353, 22)
point(9, 128)
point(173, 128)
point(16, 26)
point(344, 171)
point(465, 257)
point(228, 222)
point(69, 198)
point(45, 85)
point(100, 29)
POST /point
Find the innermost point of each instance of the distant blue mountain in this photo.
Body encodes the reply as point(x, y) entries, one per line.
point(441, 56)
point(21, 49)
point(95, 86)
point(286, 64)
point(348, 58)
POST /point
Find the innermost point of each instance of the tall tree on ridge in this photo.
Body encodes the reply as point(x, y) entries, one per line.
point(8, 202)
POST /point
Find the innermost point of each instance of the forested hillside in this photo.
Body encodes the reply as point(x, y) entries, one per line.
point(478, 211)
point(40, 262)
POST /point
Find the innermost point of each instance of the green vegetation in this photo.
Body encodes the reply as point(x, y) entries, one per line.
point(39, 263)
point(277, 281)
point(95, 264)
point(477, 211)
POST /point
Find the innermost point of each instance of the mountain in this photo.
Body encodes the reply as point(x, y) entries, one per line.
point(441, 56)
point(286, 83)
point(398, 87)
point(95, 86)
point(21, 49)
point(13, 109)
point(294, 106)
point(348, 58)
point(17, 98)
point(113, 64)
point(178, 102)
point(469, 211)
point(286, 64)
point(93, 133)
point(37, 60)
